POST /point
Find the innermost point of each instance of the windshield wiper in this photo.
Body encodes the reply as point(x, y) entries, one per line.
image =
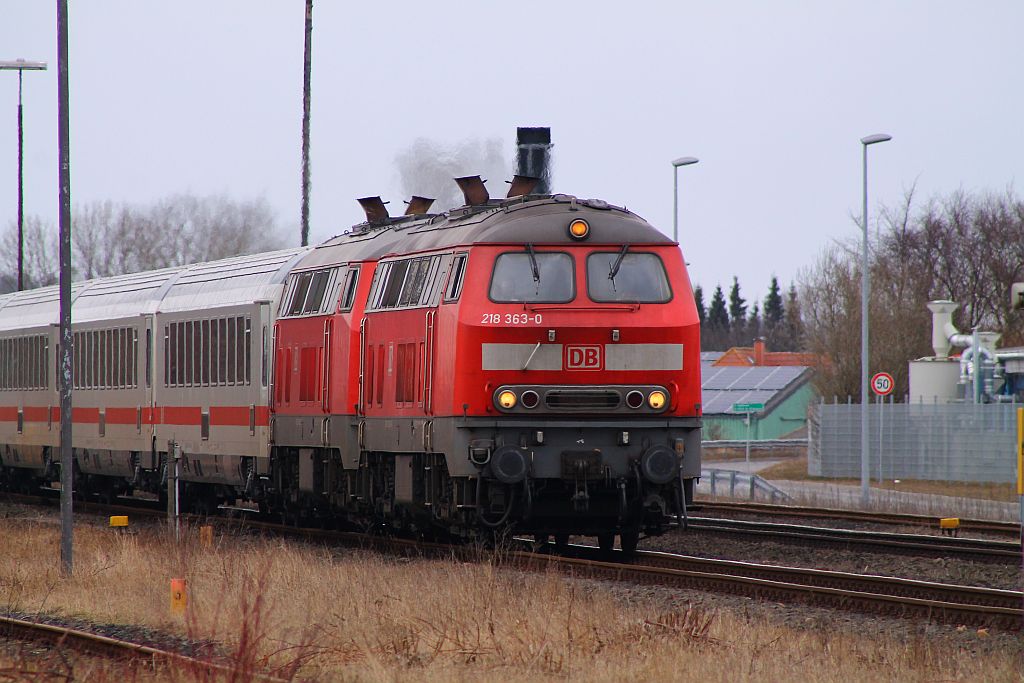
point(618, 262)
point(533, 262)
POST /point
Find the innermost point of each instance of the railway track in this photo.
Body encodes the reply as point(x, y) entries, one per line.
point(945, 603)
point(961, 605)
point(1006, 552)
point(984, 526)
point(106, 647)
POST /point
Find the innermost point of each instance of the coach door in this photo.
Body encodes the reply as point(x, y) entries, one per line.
point(145, 413)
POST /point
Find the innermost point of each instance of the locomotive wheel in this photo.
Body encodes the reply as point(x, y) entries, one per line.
point(628, 539)
point(606, 542)
point(540, 542)
point(561, 542)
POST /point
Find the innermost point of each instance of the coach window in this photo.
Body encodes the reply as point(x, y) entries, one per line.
point(248, 349)
point(635, 277)
point(222, 353)
point(183, 353)
point(533, 277)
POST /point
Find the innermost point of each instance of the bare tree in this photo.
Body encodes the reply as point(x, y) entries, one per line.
point(111, 239)
point(40, 267)
point(962, 247)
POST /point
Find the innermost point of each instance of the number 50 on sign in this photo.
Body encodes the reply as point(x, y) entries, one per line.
point(882, 384)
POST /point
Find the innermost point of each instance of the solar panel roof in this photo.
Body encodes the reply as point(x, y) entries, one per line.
point(723, 386)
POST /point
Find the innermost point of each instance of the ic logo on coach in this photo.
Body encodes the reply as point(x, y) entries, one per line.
point(582, 357)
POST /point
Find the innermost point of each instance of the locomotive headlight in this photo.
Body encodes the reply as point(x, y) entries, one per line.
point(507, 400)
point(657, 399)
point(579, 229)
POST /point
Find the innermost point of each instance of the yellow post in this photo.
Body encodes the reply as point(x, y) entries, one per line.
point(1020, 452)
point(118, 521)
point(1020, 479)
point(179, 598)
point(206, 536)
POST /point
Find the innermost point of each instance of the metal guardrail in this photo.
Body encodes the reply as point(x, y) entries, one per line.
point(756, 443)
point(744, 483)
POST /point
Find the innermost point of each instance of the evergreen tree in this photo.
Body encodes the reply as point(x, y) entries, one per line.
point(698, 298)
point(754, 323)
point(715, 335)
point(773, 308)
point(774, 313)
point(794, 324)
point(737, 304)
point(737, 315)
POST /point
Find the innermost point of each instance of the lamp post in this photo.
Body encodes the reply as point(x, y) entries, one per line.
point(865, 288)
point(20, 65)
point(681, 161)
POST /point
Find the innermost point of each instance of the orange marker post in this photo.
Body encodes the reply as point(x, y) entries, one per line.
point(206, 536)
point(179, 597)
point(1020, 480)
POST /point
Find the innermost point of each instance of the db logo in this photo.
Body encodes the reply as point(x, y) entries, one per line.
point(582, 357)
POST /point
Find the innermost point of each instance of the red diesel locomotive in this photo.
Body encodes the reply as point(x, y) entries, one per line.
point(528, 363)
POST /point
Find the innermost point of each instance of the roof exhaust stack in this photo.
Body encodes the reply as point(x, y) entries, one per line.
point(474, 190)
point(533, 156)
point(418, 205)
point(376, 212)
point(521, 185)
point(944, 333)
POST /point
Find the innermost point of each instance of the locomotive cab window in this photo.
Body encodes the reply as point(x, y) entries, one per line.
point(635, 277)
point(534, 277)
point(348, 297)
point(458, 274)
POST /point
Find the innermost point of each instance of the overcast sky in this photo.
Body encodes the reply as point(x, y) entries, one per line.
point(772, 97)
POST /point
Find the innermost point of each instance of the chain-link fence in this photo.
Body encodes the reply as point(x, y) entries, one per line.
point(942, 442)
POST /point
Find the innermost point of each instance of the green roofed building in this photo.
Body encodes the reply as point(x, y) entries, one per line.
point(784, 391)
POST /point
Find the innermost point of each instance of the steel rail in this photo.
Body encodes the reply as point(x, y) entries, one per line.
point(116, 648)
point(949, 607)
point(987, 526)
point(875, 541)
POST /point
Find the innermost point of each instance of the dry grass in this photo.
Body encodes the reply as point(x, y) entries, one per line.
point(314, 613)
point(796, 470)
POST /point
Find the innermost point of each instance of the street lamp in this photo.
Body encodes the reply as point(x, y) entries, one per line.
point(20, 65)
point(865, 288)
point(681, 161)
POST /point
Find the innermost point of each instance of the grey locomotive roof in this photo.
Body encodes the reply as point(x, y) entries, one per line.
point(540, 220)
point(722, 386)
point(232, 281)
point(537, 219)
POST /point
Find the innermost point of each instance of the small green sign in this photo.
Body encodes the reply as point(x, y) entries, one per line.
point(747, 407)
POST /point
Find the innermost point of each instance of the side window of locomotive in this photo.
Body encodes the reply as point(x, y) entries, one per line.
point(458, 274)
point(534, 277)
point(311, 293)
point(404, 284)
point(635, 277)
point(348, 296)
point(298, 293)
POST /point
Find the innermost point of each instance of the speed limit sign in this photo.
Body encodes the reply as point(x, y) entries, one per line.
point(882, 384)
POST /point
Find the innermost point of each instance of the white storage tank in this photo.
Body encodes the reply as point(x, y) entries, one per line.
point(934, 380)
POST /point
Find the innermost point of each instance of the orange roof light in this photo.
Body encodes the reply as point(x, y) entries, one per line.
point(579, 229)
